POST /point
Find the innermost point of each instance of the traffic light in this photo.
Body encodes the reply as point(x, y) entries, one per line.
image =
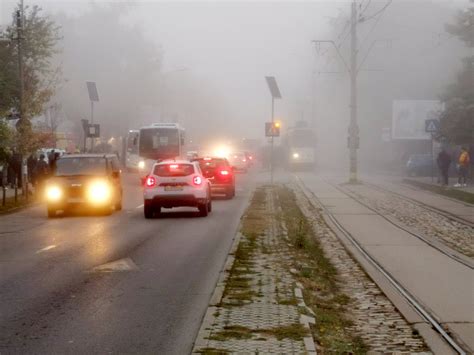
point(276, 129)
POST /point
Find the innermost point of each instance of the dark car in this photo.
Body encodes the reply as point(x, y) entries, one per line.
point(420, 165)
point(220, 174)
point(91, 180)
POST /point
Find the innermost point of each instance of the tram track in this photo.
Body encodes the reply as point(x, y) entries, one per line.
point(422, 310)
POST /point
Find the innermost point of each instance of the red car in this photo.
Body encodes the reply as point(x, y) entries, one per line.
point(220, 173)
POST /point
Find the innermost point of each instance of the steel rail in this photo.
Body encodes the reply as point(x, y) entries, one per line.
point(444, 249)
point(404, 292)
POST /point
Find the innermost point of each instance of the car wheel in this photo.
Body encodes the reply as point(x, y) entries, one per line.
point(148, 211)
point(51, 212)
point(203, 209)
point(209, 206)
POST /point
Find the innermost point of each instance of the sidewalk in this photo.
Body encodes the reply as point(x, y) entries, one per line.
point(465, 194)
point(452, 182)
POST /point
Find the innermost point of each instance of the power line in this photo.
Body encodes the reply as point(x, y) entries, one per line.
point(362, 19)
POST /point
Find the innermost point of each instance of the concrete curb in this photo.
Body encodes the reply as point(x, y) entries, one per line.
point(202, 338)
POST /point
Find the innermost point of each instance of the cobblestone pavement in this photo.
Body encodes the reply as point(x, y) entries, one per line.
point(374, 317)
point(259, 310)
point(457, 235)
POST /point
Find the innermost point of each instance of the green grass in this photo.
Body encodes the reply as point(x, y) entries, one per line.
point(322, 294)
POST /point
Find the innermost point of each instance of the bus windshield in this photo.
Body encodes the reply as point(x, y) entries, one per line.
point(303, 138)
point(159, 143)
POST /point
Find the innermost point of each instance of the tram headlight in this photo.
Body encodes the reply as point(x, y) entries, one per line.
point(296, 156)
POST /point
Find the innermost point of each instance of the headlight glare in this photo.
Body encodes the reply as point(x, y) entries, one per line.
point(53, 193)
point(296, 155)
point(99, 192)
point(141, 165)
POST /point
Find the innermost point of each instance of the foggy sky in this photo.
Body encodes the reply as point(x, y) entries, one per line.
point(228, 48)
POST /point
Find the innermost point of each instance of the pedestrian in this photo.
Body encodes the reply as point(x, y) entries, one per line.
point(31, 164)
point(463, 167)
point(42, 173)
point(444, 161)
point(51, 156)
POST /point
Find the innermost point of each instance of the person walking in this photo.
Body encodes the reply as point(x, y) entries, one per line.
point(444, 161)
point(463, 167)
point(41, 172)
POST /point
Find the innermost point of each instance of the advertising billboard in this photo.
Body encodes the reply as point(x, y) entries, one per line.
point(409, 116)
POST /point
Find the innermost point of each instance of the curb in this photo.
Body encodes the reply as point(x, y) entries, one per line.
point(204, 332)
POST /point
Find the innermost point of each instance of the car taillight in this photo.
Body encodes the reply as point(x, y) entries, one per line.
point(150, 181)
point(197, 180)
point(224, 172)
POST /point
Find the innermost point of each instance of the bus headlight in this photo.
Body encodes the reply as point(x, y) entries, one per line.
point(99, 192)
point(296, 156)
point(141, 165)
point(53, 193)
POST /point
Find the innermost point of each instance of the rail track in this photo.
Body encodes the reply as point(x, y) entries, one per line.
point(442, 212)
point(425, 313)
point(442, 248)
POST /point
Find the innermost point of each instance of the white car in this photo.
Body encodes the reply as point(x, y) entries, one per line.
point(176, 183)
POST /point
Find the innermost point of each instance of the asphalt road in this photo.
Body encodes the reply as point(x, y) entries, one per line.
point(54, 300)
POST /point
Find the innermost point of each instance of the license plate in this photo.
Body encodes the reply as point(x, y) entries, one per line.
point(173, 188)
point(75, 200)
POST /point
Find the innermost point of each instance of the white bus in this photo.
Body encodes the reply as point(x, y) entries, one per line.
point(159, 141)
point(131, 151)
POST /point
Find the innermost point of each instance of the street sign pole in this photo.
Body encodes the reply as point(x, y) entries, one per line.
point(275, 91)
point(92, 122)
point(273, 138)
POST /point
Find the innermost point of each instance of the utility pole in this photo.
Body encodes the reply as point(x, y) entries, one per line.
point(353, 139)
point(23, 119)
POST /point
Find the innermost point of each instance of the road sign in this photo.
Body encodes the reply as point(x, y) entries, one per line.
point(93, 131)
point(272, 129)
point(431, 126)
point(92, 89)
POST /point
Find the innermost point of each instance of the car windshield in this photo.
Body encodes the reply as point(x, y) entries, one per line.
point(170, 170)
point(80, 166)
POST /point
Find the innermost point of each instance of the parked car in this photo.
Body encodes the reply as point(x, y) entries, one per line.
point(221, 175)
point(91, 180)
point(176, 183)
point(420, 165)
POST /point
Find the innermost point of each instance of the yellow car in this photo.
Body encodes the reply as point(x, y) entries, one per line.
point(91, 180)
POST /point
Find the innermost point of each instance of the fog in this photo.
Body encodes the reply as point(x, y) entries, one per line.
point(203, 64)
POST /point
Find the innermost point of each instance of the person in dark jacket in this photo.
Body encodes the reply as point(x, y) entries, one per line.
point(444, 161)
point(42, 172)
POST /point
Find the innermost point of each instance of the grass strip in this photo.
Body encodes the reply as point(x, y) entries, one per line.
point(320, 279)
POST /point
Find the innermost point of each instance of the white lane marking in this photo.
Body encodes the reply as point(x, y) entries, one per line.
point(49, 247)
point(125, 264)
point(139, 206)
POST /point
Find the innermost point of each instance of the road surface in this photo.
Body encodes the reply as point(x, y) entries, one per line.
point(56, 297)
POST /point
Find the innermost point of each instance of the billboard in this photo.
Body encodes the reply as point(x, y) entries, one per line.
point(409, 116)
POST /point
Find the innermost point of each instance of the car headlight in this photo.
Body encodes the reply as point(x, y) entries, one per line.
point(141, 164)
point(296, 155)
point(53, 193)
point(99, 192)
